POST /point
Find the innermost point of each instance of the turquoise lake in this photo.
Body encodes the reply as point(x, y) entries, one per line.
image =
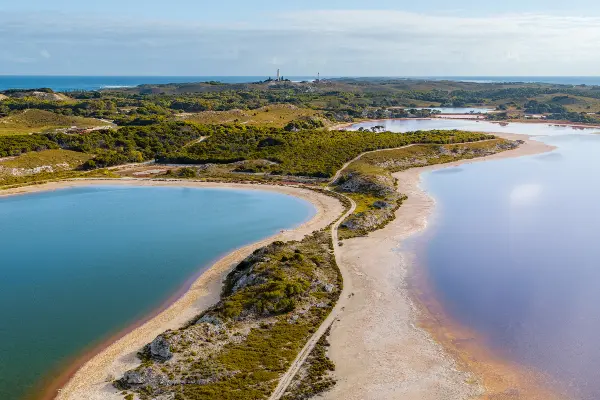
point(512, 251)
point(81, 264)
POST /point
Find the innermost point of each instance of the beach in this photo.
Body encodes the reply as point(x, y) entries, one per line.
point(90, 376)
point(384, 344)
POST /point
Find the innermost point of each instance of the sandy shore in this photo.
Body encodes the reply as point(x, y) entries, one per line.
point(379, 343)
point(92, 380)
point(383, 344)
point(472, 117)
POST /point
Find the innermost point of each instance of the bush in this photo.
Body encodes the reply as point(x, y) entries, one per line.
point(187, 173)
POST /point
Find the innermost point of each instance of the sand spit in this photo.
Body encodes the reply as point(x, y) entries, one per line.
point(383, 343)
point(380, 344)
point(92, 380)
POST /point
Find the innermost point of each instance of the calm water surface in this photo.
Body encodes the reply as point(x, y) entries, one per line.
point(534, 129)
point(457, 110)
point(70, 83)
point(80, 264)
point(519, 262)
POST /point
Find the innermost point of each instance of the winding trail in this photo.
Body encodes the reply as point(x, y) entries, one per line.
point(358, 157)
point(287, 378)
point(346, 293)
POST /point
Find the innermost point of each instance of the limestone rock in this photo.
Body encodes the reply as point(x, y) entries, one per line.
point(144, 377)
point(328, 287)
point(381, 204)
point(160, 349)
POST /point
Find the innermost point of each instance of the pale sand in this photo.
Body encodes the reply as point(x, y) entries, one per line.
point(379, 349)
point(92, 381)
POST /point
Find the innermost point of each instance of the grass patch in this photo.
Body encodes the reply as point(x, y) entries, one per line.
point(421, 155)
point(271, 303)
point(47, 157)
point(369, 182)
point(276, 116)
point(315, 153)
point(10, 182)
point(37, 121)
point(314, 376)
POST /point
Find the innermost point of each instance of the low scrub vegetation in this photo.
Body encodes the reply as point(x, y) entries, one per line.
point(276, 116)
point(110, 147)
point(32, 121)
point(54, 158)
point(271, 303)
point(315, 376)
point(315, 153)
point(370, 183)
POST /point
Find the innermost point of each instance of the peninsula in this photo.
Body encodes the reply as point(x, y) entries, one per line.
point(296, 315)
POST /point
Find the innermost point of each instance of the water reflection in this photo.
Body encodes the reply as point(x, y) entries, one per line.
point(518, 261)
point(513, 250)
point(456, 110)
point(533, 129)
point(448, 171)
point(549, 157)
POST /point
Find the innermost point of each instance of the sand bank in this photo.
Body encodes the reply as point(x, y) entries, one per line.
point(384, 343)
point(90, 377)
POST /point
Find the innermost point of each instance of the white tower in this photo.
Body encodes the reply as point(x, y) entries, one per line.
point(278, 75)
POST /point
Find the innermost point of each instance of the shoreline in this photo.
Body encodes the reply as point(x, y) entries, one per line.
point(381, 344)
point(89, 375)
point(574, 125)
point(82, 382)
point(499, 376)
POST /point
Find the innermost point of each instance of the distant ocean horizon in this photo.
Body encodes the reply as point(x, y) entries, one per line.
point(66, 83)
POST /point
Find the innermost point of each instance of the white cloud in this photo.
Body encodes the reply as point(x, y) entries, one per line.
point(334, 42)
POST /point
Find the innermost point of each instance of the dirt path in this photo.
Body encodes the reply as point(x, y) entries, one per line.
point(377, 345)
point(90, 376)
point(287, 378)
point(358, 157)
point(339, 172)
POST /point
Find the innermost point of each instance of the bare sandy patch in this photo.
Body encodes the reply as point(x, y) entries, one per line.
point(385, 344)
point(90, 378)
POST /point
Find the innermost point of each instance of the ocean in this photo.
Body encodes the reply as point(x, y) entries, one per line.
point(72, 83)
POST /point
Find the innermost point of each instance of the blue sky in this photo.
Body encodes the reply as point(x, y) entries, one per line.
point(227, 37)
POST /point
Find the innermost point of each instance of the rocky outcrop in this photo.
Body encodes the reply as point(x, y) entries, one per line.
point(144, 377)
point(367, 221)
point(242, 276)
point(238, 346)
point(380, 204)
point(380, 185)
point(215, 324)
point(381, 213)
point(160, 349)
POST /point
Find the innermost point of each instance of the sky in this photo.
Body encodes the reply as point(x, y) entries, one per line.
point(301, 37)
